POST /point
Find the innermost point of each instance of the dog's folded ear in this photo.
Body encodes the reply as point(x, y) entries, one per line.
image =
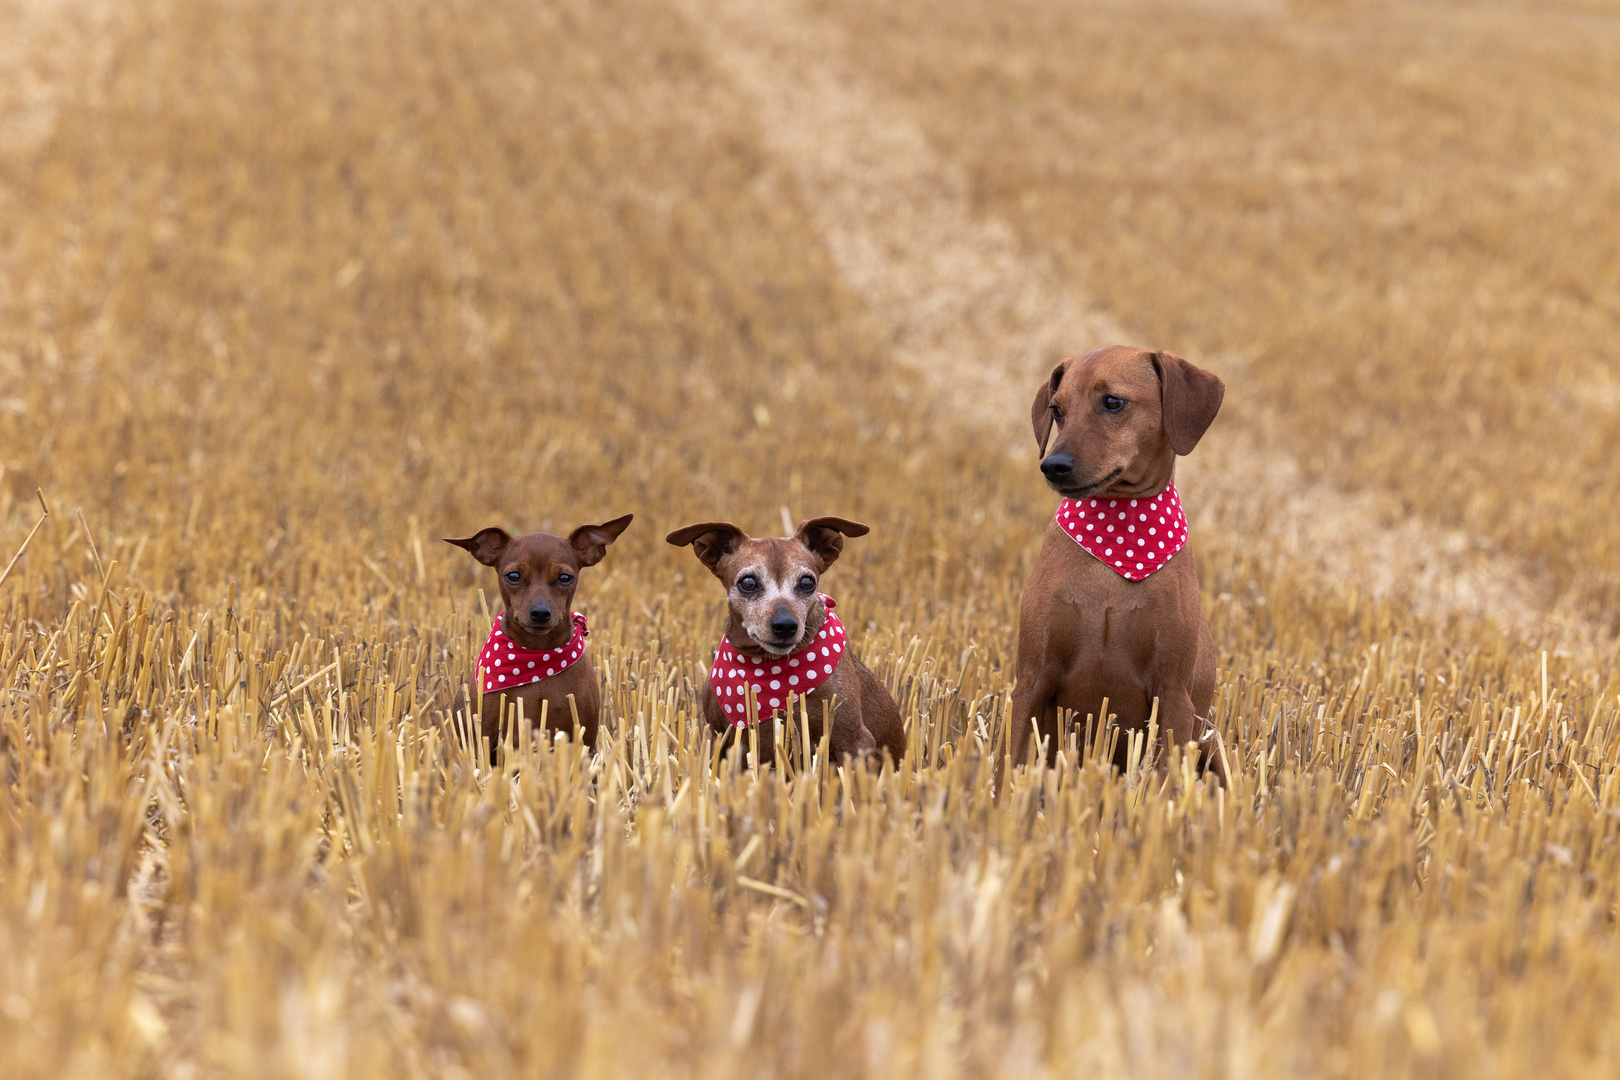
point(486, 545)
point(1189, 398)
point(590, 542)
point(824, 536)
point(1041, 413)
point(710, 540)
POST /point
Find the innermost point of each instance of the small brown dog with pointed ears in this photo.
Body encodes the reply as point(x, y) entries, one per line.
point(535, 653)
point(1112, 608)
point(781, 638)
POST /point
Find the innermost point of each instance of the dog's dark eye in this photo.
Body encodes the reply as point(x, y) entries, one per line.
point(1112, 403)
point(1057, 413)
point(565, 579)
point(807, 583)
point(514, 578)
point(748, 583)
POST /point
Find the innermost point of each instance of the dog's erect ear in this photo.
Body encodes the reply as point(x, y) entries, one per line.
point(1041, 413)
point(710, 540)
point(486, 545)
point(590, 542)
point(824, 536)
point(1189, 398)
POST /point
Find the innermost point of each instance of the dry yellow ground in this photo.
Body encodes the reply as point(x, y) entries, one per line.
point(1399, 216)
point(287, 293)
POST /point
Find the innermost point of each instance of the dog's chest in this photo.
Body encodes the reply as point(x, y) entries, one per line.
point(1090, 612)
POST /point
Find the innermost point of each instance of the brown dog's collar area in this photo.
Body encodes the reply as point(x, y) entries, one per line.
point(1132, 537)
point(506, 665)
point(748, 688)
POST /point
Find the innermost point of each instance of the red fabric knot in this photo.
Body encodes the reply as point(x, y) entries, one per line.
point(507, 665)
point(773, 679)
point(1133, 537)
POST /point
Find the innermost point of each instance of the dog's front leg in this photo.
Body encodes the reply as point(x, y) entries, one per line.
point(1031, 702)
point(850, 738)
point(767, 741)
point(1180, 724)
point(861, 745)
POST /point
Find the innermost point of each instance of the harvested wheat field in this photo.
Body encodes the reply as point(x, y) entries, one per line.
point(291, 290)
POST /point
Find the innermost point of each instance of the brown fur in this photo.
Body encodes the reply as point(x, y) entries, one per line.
point(540, 560)
point(787, 570)
point(1085, 633)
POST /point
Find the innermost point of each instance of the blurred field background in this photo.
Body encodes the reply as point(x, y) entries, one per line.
point(289, 291)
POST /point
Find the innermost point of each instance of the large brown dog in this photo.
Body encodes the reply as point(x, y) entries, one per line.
point(1085, 632)
point(538, 574)
point(774, 616)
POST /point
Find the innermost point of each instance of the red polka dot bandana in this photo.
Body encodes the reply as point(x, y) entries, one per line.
point(508, 665)
point(773, 680)
point(1134, 536)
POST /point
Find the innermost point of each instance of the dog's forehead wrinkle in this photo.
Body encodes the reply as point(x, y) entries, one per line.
point(1126, 376)
point(784, 554)
point(541, 551)
point(778, 559)
point(1128, 385)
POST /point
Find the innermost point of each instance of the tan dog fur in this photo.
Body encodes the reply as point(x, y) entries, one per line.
point(786, 572)
point(1085, 633)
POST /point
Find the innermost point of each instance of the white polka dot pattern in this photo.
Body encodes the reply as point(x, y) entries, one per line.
point(1134, 537)
point(507, 665)
point(734, 674)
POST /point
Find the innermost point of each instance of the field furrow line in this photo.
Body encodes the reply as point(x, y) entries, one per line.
point(983, 317)
point(45, 45)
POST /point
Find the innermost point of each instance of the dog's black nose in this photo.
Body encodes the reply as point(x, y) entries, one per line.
point(539, 614)
point(784, 626)
point(1057, 466)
